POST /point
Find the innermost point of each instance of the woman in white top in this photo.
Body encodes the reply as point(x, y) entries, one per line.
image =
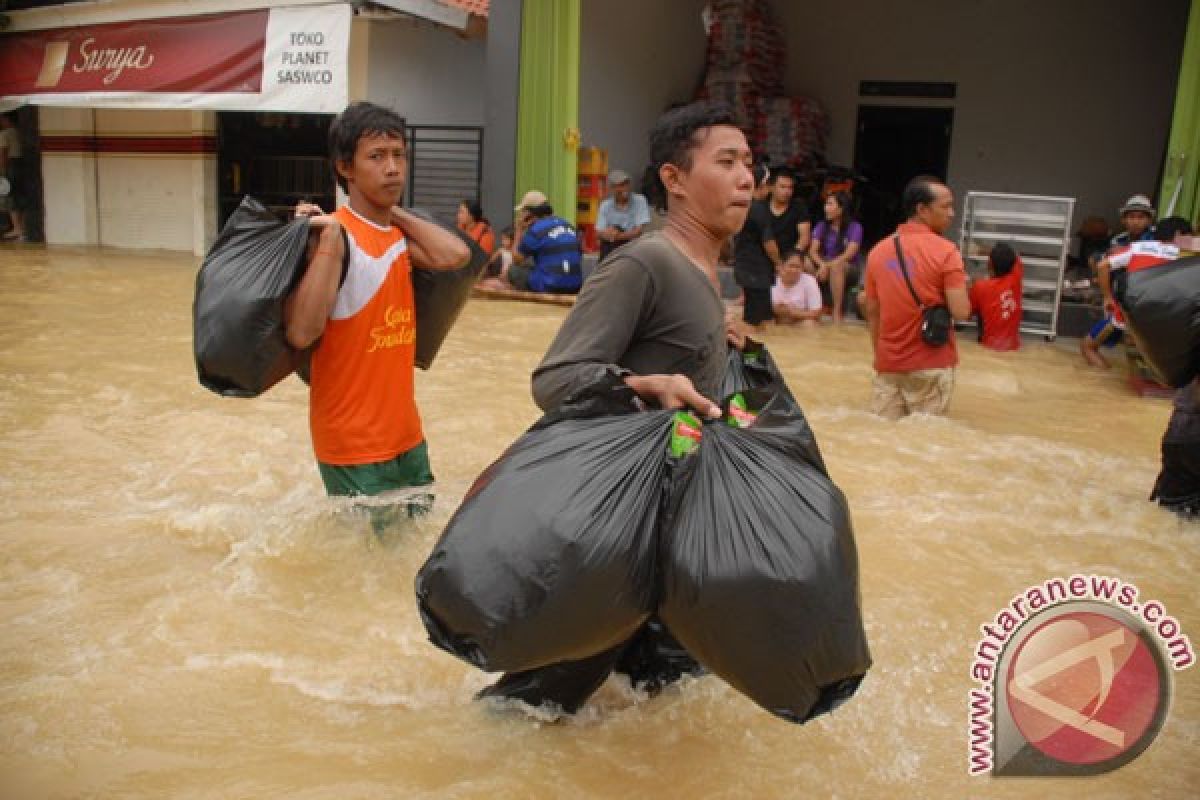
point(796, 297)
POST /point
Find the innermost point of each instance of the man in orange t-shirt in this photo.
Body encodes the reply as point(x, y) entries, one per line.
point(910, 375)
point(362, 412)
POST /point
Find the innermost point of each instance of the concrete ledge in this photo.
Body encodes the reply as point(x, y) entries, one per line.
point(527, 297)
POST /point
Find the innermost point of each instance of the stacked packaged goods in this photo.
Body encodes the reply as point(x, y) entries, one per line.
point(733, 87)
point(744, 33)
point(744, 70)
point(794, 130)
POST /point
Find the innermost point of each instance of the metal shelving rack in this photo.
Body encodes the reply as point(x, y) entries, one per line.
point(1039, 229)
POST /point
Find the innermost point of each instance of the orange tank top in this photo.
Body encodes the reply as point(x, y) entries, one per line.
point(362, 408)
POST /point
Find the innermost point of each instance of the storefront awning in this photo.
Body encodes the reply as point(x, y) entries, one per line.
point(278, 59)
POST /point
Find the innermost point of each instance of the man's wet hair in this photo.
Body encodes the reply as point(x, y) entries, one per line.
point(673, 137)
point(1002, 258)
point(1166, 229)
point(918, 192)
point(356, 121)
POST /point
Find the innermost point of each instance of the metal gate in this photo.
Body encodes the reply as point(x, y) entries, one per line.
point(445, 168)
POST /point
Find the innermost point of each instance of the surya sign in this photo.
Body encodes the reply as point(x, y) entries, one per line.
point(292, 58)
point(112, 61)
point(222, 53)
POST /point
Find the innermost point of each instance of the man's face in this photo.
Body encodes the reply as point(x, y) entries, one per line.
point(940, 213)
point(718, 188)
point(621, 191)
point(1136, 222)
point(782, 190)
point(379, 170)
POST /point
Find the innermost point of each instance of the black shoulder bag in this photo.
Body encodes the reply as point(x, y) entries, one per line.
point(935, 320)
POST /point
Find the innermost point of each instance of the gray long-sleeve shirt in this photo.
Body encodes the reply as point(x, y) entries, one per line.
point(647, 309)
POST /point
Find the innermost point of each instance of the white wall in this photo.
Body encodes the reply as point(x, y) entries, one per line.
point(153, 201)
point(1070, 97)
point(133, 198)
point(636, 58)
point(426, 73)
point(68, 178)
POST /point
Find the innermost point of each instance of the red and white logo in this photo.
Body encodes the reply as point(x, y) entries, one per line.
point(1084, 688)
point(1073, 677)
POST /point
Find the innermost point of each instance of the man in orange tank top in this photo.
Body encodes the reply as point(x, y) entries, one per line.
point(363, 416)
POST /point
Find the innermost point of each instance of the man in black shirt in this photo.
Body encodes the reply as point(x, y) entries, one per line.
point(756, 256)
point(789, 217)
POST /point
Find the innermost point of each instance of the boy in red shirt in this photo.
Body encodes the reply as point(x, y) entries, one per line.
point(996, 300)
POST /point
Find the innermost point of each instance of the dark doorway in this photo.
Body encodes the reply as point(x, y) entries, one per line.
point(278, 158)
point(895, 144)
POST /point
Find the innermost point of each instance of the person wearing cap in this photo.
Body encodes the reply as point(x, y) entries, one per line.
point(1141, 247)
point(1137, 217)
point(551, 245)
point(623, 215)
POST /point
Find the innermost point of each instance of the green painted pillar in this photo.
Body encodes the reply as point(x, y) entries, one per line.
point(1181, 173)
point(548, 109)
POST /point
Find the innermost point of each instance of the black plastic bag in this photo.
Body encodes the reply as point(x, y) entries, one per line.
point(760, 568)
point(752, 367)
point(1162, 308)
point(551, 557)
point(237, 316)
point(588, 525)
point(439, 297)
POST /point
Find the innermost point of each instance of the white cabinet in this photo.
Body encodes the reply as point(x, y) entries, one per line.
point(1039, 229)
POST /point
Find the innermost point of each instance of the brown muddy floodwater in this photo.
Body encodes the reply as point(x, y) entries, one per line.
point(184, 615)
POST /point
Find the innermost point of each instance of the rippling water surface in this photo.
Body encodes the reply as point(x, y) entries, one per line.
point(184, 614)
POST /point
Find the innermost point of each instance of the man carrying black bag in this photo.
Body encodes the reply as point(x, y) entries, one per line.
point(366, 431)
point(652, 315)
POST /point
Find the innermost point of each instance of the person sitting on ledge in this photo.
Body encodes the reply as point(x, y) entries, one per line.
point(551, 245)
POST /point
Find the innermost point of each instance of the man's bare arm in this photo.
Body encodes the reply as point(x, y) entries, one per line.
point(430, 245)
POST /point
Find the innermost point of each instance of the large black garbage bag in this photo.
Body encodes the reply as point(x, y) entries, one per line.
point(550, 557)
point(760, 569)
point(439, 297)
point(752, 367)
point(1162, 307)
point(237, 315)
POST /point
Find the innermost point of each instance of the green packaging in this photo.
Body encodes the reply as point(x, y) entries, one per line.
point(739, 415)
point(685, 434)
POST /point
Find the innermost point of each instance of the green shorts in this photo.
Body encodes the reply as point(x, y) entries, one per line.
point(409, 469)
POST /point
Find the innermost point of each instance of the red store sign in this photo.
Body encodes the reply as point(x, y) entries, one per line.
point(268, 59)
